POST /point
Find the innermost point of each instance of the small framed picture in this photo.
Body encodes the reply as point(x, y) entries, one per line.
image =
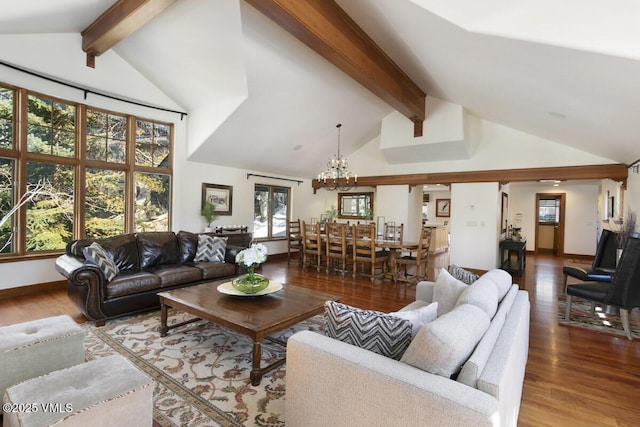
point(443, 207)
point(220, 195)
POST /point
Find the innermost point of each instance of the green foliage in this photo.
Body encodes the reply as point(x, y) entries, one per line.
point(332, 212)
point(208, 212)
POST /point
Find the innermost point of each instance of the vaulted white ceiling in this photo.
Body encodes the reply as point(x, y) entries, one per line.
point(566, 71)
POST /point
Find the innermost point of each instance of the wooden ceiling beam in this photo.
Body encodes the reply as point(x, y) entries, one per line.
point(616, 172)
point(326, 28)
point(118, 22)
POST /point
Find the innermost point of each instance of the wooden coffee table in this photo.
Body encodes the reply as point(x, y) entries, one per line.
point(256, 317)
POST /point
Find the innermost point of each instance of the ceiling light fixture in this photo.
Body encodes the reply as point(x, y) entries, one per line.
point(337, 172)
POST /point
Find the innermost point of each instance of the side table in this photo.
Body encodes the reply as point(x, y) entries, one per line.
point(520, 248)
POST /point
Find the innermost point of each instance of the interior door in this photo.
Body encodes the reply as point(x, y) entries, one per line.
point(550, 215)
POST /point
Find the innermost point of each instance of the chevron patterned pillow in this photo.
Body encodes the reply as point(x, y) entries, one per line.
point(463, 275)
point(96, 255)
point(210, 248)
point(374, 331)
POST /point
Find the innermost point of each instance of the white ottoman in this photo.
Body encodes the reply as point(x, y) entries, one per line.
point(108, 391)
point(35, 348)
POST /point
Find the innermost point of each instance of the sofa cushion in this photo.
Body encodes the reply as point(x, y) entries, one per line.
point(187, 246)
point(157, 248)
point(501, 279)
point(418, 317)
point(123, 250)
point(463, 275)
point(96, 254)
point(442, 346)
point(446, 291)
point(175, 274)
point(483, 294)
point(131, 283)
point(213, 270)
point(210, 248)
point(474, 366)
point(374, 331)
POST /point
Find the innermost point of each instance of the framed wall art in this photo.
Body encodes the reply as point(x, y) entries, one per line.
point(220, 195)
point(443, 207)
point(504, 216)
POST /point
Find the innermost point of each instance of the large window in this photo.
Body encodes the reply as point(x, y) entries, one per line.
point(271, 212)
point(97, 173)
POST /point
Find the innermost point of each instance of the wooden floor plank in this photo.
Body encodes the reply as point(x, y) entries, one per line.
point(574, 377)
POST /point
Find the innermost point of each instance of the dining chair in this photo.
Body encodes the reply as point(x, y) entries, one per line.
point(364, 251)
point(294, 240)
point(604, 261)
point(393, 231)
point(623, 291)
point(420, 259)
point(337, 251)
point(312, 245)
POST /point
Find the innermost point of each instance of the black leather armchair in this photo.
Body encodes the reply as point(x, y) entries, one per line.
point(604, 262)
point(624, 289)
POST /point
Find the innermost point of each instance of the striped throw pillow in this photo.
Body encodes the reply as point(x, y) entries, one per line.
point(210, 248)
point(463, 275)
point(374, 331)
point(96, 255)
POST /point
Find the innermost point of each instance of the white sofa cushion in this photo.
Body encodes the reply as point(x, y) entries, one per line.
point(483, 294)
point(501, 279)
point(442, 346)
point(473, 367)
point(418, 317)
point(372, 330)
point(446, 291)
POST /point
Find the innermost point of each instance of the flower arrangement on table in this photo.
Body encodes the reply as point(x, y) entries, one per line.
point(251, 258)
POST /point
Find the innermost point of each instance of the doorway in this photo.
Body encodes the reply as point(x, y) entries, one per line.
point(550, 213)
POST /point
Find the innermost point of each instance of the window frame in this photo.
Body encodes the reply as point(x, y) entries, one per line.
point(80, 164)
point(271, 188)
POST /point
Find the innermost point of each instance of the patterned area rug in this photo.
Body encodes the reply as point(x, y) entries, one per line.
point(582, 317)
point(201, 369)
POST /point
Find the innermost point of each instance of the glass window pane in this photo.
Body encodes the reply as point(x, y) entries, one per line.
point(104, 203)
point(261, 212)
point(106, 137)
point(152, 144)
point(6, 117)
point(50, 213)
point(7, 171)
point(153, 196)
point(96, 147)
point(144, 143)
point(51, 127)
point(280, 211)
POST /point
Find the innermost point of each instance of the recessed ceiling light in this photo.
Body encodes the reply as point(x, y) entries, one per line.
point(556, 114)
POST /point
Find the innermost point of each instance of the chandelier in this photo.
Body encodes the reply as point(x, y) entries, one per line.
point(337, 172)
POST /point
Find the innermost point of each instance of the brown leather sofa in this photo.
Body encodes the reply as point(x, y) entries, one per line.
point(148, 263)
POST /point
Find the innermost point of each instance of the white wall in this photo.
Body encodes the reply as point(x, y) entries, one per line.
point(475, 214)
point(581, 215)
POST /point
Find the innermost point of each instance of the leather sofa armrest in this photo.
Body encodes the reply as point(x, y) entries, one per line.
point(85, 285)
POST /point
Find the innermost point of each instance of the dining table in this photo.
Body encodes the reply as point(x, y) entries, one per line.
point(396, 247)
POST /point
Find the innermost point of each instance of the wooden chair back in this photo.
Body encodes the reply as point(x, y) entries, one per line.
point(336, 246)
point(393, 232)
point(364, 238)
point(294, 239)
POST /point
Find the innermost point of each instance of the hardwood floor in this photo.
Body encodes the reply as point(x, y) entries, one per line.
point(574, 377)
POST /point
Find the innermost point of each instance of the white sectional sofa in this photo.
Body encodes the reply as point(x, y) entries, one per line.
point(332, 383)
